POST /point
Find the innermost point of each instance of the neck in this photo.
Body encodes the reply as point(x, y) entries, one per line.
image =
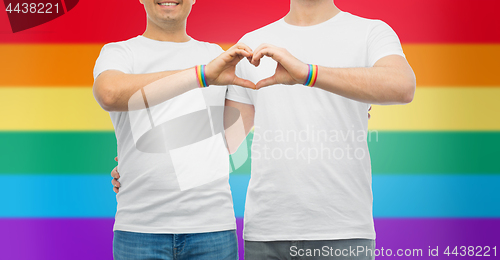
point(169, 31)
point(310, 12)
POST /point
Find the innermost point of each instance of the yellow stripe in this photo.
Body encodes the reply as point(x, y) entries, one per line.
point(446, 108)
point(67, 109)
point(53, 108)
point(315, 75)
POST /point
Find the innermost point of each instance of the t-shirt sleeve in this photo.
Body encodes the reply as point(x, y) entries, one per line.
point(382, 41)
point(217, 50)
point(113, 56)
point(238, 93)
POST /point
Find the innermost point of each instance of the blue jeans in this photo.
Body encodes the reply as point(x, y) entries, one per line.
point(220, 245)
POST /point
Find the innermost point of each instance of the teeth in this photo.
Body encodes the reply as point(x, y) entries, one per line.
point(168, 4)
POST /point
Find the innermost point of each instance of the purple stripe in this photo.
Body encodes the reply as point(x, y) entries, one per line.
point(54, 239)
point(424, 233)
point(239, 230)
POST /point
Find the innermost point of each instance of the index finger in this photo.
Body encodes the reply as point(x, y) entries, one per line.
point(115, 174)
point(242, 46)
point(266, 51)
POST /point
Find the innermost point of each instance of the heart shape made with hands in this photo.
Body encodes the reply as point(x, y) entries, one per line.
point(289, 70)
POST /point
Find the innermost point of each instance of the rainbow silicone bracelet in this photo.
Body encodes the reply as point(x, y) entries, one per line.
point(200, 74)
point(313, 75)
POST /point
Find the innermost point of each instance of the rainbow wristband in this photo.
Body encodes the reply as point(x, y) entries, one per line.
point(200, 75)
point(313, 75)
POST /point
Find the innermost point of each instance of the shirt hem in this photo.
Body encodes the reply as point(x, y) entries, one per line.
point(308, 237)
point(238, 99)
point(183, 230)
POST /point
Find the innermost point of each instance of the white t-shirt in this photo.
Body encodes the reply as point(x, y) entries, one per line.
point(311, 172)
point(173, 162)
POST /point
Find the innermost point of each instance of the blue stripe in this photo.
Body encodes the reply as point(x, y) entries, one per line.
point(44, 196)
point(436, 196)
point(239, 184)
point(203, 76)
point(309, 76)
point(57, 196)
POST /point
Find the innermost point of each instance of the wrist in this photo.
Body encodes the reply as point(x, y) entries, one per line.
point(312, 75)
point(304, 73)
point(209, 74)
point(201, 76)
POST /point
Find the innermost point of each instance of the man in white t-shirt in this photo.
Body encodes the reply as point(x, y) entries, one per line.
point(310, 193)
point(175, 201)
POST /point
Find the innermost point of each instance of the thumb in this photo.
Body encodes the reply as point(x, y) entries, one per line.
point(243, 82)
point(266, 82)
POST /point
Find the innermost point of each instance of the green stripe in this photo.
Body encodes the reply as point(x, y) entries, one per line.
point(394, 152)
point(435, 152)
point(57, 152)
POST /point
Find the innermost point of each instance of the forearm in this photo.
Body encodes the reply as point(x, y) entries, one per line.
point(238, 121)
point(113, 89)
point(390, 81)
point(375, 85)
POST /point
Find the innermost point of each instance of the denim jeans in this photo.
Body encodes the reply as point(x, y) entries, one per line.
point(222, 245)
point(352, 249)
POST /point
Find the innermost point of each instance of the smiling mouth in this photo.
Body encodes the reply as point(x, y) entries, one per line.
point(168, 4)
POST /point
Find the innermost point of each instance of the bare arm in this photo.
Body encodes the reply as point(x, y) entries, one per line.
point(237, 132)
point(390, 81)
point(113, 88)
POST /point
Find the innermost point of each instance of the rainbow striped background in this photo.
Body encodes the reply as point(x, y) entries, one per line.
point(436, 166)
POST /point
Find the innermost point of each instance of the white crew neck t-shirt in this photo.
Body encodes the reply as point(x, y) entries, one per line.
point(178, 183)
point(311, 172)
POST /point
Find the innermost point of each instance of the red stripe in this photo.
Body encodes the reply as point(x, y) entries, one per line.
point(225, 21)
point(434, 21)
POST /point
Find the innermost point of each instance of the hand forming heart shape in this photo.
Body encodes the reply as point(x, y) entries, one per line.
point(289, 71)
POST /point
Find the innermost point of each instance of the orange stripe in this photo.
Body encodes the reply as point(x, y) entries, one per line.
point(454, 64)
point(198, 74)
point(72, 64)
point(226, 46)
point(48, 64)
